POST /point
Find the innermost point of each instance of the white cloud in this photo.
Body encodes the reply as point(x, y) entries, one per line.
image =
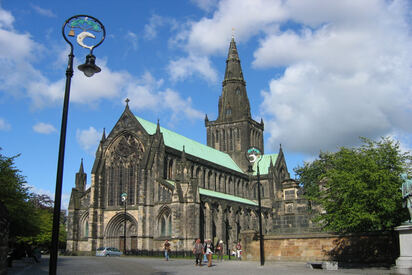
point(44, 12)
point(146, 93)
point(4, 125)
point(150, 30)
point(206, 5)
point(6, 19)
point(211, 36)
point(185, 67)
point(132, 38)
point(88, 139)
point(44, 128)
point(349, 77)
point(155, 22)
point(85, 90)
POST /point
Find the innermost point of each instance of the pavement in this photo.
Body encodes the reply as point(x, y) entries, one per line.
point(158, 266)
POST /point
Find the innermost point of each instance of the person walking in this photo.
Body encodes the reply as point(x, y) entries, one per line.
point(239, 251)
point(219, 250)
point(209, 252)
point(166, 247)
point(198, 251)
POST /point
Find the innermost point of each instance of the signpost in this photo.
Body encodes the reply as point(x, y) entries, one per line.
point(124, 200)
point(253, 154)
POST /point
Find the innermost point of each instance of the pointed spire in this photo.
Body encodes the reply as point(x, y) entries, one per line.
point(206, 118)
point(183, 154)
point(103, 135)
point(234, 102)
point(280, 149)
point(271, 163)
point(81, 170)
point(158, 127)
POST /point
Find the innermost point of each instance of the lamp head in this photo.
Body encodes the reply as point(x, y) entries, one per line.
point(89, 68)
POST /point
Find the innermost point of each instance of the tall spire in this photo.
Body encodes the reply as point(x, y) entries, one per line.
point(233, 68)
point(234, 102)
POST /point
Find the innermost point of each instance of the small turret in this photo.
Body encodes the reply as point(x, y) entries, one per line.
point(81, 179)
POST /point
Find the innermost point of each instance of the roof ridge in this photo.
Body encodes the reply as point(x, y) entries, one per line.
point(188, 149)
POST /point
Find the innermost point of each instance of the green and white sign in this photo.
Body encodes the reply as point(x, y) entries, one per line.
point(124, 197)
point(253, 154)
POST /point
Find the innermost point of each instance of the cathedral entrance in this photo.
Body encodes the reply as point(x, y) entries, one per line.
point(114, 233)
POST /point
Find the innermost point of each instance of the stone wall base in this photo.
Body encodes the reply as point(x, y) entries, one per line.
point(379, 248)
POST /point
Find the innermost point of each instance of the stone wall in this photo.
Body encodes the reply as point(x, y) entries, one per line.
point(369, 248)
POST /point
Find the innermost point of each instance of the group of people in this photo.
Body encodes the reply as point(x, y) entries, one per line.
point(206, 250)
point(200, 250)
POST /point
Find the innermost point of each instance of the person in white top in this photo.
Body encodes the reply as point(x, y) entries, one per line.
point(209, 252)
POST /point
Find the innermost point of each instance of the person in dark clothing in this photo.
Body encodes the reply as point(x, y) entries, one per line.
point(198, 251)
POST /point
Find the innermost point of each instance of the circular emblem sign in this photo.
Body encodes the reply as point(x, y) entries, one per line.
point(124, 197)
point(253, 154)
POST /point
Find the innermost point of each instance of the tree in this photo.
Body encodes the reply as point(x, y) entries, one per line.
point(15, 196)
point(43, 205)
point(360, 187)
point(31, 215)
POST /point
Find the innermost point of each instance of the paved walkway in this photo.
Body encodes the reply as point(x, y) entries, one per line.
point(158, 266)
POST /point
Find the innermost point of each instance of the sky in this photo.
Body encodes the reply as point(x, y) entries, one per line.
point(320, 73)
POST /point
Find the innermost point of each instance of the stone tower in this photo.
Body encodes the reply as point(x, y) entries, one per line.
point(234, 130)
point(81, 179)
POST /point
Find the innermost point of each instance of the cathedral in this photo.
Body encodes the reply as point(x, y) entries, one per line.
point(149, 184)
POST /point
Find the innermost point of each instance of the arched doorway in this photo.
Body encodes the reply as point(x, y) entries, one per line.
point(114, 233)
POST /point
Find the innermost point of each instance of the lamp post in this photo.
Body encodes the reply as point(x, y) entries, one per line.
point(86, 24)
point(228, 228)
point(124, 200)
point(253, 154)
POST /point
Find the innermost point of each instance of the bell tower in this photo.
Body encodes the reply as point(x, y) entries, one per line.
point(234, 130)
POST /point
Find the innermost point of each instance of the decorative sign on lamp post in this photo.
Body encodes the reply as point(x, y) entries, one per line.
point(90, 27)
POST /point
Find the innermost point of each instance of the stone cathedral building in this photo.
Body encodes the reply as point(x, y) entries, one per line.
point(179, 189)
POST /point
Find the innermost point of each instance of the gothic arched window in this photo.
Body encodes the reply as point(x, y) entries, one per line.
point(170, 170)
point(86, 229)
point(165, 223)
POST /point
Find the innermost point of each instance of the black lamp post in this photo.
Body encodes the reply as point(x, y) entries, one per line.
point(86, 24)
point(124, 200)
point(228, 228)
point(253, 154)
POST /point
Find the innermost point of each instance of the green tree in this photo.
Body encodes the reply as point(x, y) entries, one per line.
point(15, 196)
point(44, 212)
point(360, 187)
point(30, 214)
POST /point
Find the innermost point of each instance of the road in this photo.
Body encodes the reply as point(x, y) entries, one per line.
point(157, 266)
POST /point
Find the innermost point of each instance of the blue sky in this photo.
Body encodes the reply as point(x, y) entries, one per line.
point(320, 73)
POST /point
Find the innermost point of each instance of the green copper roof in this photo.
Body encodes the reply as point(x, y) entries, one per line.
point(192, 147)
point(224, 196)
point(264, 164)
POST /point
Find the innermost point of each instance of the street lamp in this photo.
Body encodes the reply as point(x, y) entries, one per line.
point(228, 228)
point(124, 200)
point(89, 27)
point(253, 154)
